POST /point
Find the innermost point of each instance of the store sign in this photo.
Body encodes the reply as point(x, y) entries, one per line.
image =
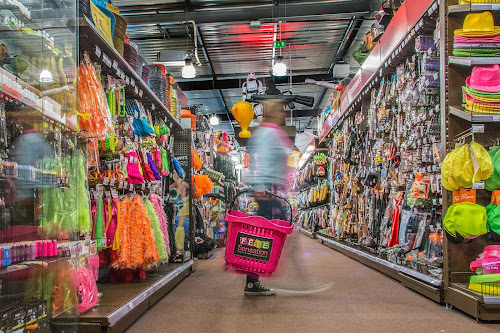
point(102, 22)
point(254, 247)
point(279, 44)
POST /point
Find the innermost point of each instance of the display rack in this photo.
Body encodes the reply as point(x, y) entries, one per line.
point(308, 233)
point(421, 283)
point(99, 49)
point(391, 47)
point(455, 120)
point(122, 304)
point(394, 48)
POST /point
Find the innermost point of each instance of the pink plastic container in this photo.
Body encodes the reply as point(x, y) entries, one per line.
point(254, 244)
point(491, 266)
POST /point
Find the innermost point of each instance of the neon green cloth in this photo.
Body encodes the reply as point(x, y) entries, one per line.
point(493, 183)
point(98, 223)
point(487, 283)
point(155, 225)
point(493, 216)
point(164, 160)
point(465, 218)
point(476, 52)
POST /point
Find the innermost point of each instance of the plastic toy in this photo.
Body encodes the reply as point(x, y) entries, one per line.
point(243, 113)
point(251, 87)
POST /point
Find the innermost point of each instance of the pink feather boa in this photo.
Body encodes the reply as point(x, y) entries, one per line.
point(161, 217)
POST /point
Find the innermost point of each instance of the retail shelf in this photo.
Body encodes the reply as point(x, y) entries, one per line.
point(473, 7)
point(308, 233)
point(424, 284)
point(473, 61)
point(472, 303)
point(54, 115)
point(474, 118)
point(101, 50)
point(28, 265)
point(394, 46)
point(121, 304)
point(487, 300)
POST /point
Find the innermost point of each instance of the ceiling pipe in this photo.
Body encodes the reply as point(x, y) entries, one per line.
point(195, 29)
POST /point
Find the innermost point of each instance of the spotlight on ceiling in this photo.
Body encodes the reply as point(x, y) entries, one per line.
point(279, 68)
point(188, 71)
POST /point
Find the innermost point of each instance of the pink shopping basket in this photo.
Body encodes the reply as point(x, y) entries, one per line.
point(254, 243)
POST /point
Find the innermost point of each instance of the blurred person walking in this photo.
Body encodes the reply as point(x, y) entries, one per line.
point(269, 148)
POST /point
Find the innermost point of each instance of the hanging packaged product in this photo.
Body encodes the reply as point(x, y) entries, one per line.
point(93, 111)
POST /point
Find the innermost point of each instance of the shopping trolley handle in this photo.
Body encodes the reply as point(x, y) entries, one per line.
point(266, 191)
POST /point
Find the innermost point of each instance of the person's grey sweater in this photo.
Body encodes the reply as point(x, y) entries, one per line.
point(268, 158)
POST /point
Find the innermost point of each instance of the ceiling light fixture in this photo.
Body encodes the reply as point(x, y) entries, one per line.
point(188, 71)
point(46, 76)
point(214, 120)
point(279, 68)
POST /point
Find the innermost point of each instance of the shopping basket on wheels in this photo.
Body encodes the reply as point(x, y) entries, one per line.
point(254, 243)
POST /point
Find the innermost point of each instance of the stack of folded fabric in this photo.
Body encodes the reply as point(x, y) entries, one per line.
point(479, 37)
point(482, 90)
point(486, 267)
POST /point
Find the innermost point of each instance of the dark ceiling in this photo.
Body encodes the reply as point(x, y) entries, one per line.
point(319, 35)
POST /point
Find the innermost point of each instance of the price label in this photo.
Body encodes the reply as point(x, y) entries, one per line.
point(120, 74)
point(478, 128)
point(115, 64)
point(125, 184)
point(478, 186)
point(131, 188)
point(106, 181)
point(106, 60)
point(132, 82)
point(496, 117)
point(136, 90)
point(112, 182)
point(102, 22)
point(120, 184)
point(495, 6)
point(140, 93)
point(98, 51)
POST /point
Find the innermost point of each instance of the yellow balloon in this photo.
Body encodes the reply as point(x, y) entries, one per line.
point(243, 113)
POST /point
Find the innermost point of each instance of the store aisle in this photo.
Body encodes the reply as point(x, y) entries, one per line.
point(359, 300)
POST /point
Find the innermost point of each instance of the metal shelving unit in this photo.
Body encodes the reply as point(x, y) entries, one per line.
point(457, 257)
point(424, 284)
point(473, 118)
point(473, 61)
point(473, 7)
point(99, 49)
point(308, 233)
point(393, 49)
